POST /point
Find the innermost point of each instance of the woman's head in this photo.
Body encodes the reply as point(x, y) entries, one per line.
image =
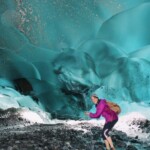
point(94, 98)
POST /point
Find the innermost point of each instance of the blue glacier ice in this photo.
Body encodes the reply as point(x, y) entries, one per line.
point(55, 54)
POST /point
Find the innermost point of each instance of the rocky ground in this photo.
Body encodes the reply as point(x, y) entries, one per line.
point(19, 134)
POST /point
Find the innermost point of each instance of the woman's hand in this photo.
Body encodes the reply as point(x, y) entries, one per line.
point(86, 113)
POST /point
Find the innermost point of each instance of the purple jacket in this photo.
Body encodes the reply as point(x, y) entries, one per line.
point(103, 109)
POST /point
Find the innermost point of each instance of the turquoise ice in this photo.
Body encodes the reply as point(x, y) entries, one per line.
point(66, 50)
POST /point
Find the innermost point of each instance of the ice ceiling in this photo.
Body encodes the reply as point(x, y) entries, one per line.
point(60, 51)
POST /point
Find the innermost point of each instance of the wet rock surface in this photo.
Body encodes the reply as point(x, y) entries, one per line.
point(17, 133)
point(63, 137)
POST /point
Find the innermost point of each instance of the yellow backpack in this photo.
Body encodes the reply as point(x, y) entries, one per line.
point(113, 106)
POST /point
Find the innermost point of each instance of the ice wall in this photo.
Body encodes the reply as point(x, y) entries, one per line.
point(67, 50)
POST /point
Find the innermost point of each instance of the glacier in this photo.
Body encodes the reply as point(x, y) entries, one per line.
point(55, 54)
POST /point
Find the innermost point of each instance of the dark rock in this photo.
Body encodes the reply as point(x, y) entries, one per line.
point(131, 147)
point(135, 141)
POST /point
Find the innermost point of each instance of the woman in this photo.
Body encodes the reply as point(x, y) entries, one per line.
point(110, 116)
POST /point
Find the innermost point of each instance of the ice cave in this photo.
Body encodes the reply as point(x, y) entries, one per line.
point(49, 54)
point(55, 53)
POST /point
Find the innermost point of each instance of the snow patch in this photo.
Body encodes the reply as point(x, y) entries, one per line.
point(31, 116)
point(125, 124)
point(35, 117)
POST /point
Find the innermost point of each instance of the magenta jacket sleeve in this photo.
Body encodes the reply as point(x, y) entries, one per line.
point(99, 110)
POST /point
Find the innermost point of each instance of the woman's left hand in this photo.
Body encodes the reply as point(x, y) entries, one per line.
point(86, 113)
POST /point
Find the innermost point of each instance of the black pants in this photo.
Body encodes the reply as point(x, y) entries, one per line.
point(107, 127)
